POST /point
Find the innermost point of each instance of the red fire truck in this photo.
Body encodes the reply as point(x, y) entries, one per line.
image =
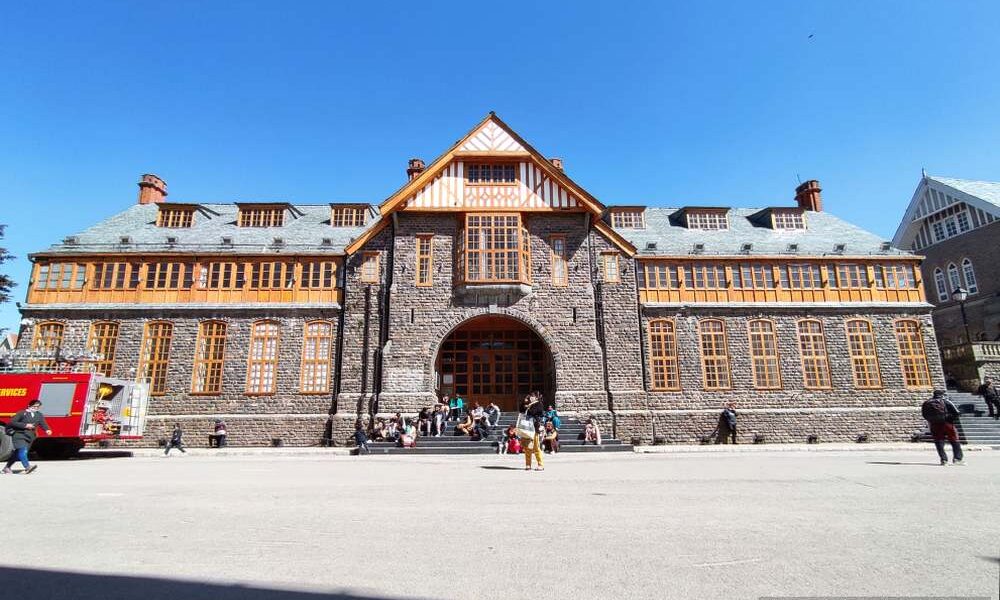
point(80, 408)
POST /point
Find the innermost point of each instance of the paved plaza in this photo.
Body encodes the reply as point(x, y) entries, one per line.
point(678, 525)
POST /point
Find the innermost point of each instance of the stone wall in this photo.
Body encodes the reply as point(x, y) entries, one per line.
point(254, 419)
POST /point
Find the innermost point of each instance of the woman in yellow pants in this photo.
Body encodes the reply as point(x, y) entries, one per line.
point(533, 446)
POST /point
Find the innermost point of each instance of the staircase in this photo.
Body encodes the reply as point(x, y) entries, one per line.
point(975, 426)
point(570, 440)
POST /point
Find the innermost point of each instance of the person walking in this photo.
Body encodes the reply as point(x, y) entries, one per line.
point(218, 438)
point(176, 440)
point(941, 414)
point(992, 397)
point(360, 439)
point(23, 430)
point(727, 424)
point(534, 413)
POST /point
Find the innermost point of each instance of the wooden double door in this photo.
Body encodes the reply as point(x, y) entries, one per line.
point(494, 360)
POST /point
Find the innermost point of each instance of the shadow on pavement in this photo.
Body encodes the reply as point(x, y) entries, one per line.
point(501, 468)
point(41, 584)
point(893, 462)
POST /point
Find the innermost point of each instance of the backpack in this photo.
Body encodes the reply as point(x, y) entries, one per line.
point(935, 411)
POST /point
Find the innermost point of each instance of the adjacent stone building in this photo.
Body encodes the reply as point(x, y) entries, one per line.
point(491, 273)
point(955, 224)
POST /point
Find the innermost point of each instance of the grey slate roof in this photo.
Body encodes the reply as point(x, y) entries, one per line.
point(988, 191)
point(304, 229)
point(822, 232)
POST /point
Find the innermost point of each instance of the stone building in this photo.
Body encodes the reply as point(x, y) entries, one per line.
point(955, 225)
point(491, 273)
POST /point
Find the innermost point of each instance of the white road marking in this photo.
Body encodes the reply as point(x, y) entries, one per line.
point(725, 563)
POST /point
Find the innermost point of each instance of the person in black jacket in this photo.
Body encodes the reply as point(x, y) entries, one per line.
point(989, 393)
point(23, 429)
point(727, 424)
point(941, 415)
point(176, 440)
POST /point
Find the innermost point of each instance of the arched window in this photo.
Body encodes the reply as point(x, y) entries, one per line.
point(953, 279)
point(970, 277)
point(714, 355)
point(102, 340)
point(812, 348)
point(209, 357)
point(912, 357)
point(48, 337)
point(262, 363)
point(664, 370)
point(942, 287)
point(764, 355)
point(864, 359)
point(154, 356)
point(317, 342)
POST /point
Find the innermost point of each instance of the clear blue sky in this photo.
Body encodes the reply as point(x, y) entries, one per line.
point(665, 103)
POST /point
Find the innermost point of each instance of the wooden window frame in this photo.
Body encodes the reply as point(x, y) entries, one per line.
point(788, 220)
point(719, 361)
point(223, 275)
point(261, 217)
point(912, 355)
point(487, 246)
point(371, 267)
point(271, 275)
point(424, 272)
point(766, 367)
point(48, 337)
point(102, 339)
point(61, 275)
point(154, 356)
point(208, 367)
point(749, 279)
point(175, 217)
point(664, 364)
point(168, 275)
point(115, 276)
point(318, 275)
point(560, 265)
point(697, 276)
point(492, 166)
point(869, 361)
point(611, 274)
point(845, 272)
point(313, 363)
point(809, 342)
point(804, 276)
point(347, 216)
point(263, 353)
point(628, 219)
point(707, 220)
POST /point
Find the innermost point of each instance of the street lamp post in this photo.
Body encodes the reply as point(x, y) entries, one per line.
point(960, 295)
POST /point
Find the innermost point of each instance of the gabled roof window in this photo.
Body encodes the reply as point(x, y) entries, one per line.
point(175, 216)
point(628, 217)
point(261, 215)
point(706, 218)
point(788, 218)
point(348, 215)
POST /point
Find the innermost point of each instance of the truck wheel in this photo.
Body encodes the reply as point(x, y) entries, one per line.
point(49, 450)
point(6, 446)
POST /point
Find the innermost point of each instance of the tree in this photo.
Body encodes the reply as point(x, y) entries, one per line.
point(6, 283)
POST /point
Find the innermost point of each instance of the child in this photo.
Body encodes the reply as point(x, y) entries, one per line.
point(550, 443)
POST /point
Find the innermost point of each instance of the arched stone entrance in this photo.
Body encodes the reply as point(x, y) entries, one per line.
point(494, 358)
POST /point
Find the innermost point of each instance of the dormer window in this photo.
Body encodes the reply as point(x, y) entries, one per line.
point(348, 216)
point(175, 217)
point(630, 218)
point(711, 219)
point(788, 219)
point(261, 216)
point(491, 173)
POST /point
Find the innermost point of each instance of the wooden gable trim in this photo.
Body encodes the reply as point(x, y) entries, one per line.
point(364, 237)
point(615, 237)
point(395, 201)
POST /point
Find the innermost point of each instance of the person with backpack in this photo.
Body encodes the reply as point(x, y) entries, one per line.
point(992, 397)
point(23, 429)
point(941, 415)
point(727, 424)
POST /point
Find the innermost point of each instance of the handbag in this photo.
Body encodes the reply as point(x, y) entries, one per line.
point(525, 427)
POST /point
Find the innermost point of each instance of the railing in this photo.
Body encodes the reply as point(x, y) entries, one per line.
point(977, 351)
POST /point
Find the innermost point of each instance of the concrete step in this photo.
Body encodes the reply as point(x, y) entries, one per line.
point(483, 449)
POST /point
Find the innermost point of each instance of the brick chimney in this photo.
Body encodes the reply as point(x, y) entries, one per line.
point(152, 189)
point(807, 196)
point(415, 168)
point(556, 162)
